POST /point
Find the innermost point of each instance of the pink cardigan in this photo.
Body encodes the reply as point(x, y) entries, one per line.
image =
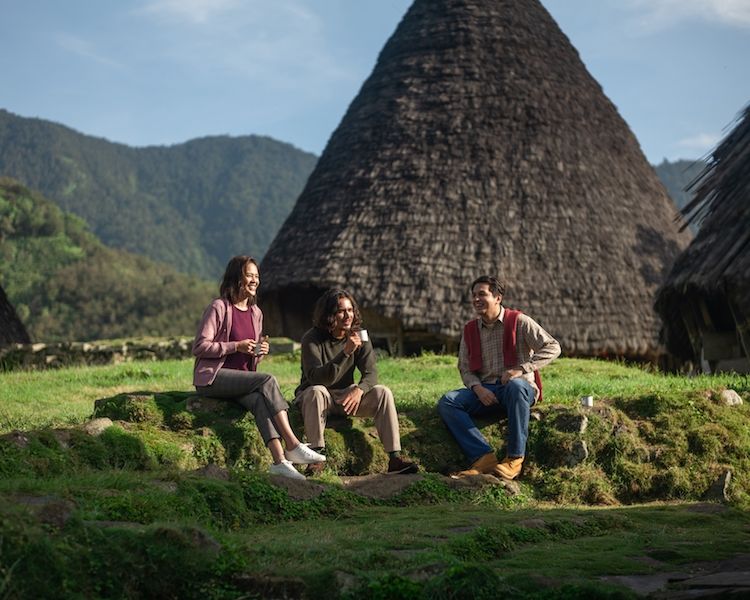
point(211, 345)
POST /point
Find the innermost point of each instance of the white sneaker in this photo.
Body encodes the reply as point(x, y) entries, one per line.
point(285, 469)
point(303, 455)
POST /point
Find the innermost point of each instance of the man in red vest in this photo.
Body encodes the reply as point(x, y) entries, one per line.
point(499, 359)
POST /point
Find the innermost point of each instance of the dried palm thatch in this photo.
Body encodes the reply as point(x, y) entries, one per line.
point(705, 300)
point(12, 330)
point(480, 145)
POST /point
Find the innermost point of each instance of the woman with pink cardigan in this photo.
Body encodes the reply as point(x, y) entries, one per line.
point(227, 349)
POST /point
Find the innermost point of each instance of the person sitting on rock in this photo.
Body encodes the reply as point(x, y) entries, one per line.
point(499, 358)
point(227, 349)
point(331, 350)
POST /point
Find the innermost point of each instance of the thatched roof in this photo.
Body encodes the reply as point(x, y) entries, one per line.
point(12, 330)
point(716, 265)
point(480, 144)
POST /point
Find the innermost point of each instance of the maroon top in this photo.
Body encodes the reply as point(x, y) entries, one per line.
point(242, 329)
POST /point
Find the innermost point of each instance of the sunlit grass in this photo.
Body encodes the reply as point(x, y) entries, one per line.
point(136, 475)
point(33, 399)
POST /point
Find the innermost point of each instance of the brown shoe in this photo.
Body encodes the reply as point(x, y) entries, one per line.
point(397, 465)
point(510, 468)
point(314, 469)
point(481, 466)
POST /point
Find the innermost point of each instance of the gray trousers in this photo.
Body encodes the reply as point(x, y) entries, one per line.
point(257, 392)
point(318, 402)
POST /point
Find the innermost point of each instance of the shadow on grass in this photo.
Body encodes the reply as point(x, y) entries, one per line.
point(426, 438)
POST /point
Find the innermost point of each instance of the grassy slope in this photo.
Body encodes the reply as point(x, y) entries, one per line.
point(172, 521)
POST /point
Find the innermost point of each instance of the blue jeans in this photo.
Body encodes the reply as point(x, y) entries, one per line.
point(515, 400)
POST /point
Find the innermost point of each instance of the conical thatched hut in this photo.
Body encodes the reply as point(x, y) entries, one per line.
point(705, 300)
point(12, 330)
point(480, 144)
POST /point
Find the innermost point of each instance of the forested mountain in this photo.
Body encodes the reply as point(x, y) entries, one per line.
point(677, 176)
point(191, 205)
point(66, 285)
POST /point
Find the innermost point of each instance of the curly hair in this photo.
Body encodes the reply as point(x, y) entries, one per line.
point(232, 283)
point(324, 314)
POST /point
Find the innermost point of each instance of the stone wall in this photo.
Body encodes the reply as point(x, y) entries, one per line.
point(65, 354)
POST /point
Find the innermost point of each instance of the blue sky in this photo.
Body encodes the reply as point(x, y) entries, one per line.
point(153, 72)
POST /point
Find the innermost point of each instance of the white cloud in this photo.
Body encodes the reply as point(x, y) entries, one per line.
point(84, 49)
point(192, 11)
point(661, 14)
point(279, 44)
point(700, 142)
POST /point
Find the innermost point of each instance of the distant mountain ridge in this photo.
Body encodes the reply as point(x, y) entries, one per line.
point(677, 177)
point(191, 205)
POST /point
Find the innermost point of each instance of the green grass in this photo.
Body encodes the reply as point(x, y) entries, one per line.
point(54, 398)
point(201, 538)
point(134, 522)
point(34, 399)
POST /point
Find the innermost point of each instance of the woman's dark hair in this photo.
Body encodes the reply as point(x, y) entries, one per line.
point(496, 286)
point(232, 283)
point(327, 305)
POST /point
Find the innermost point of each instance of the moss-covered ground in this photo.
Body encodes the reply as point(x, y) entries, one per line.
point(172, 500)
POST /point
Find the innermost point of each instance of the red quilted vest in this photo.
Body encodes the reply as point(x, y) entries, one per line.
point(510, 358)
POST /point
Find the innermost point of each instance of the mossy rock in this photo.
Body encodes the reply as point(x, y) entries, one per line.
point(572, 485)
point(39, 455)
point(353, 447)
point(221, 502)
point(169, 449)
point(352, 444)
point(425, 439)
point(134, 408)
point(156, 409)
point(675, 451)
point(182, 421)
point(240, 441)
point(139, 448)
point(125, 450)
point(208, 448)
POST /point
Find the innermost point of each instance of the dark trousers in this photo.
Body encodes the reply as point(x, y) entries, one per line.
point(257, 392)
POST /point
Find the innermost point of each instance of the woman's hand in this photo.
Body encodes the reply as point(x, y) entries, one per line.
point(246, 346)
point(263, 347)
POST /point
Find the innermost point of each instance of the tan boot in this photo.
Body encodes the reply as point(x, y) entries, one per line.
point(481, 466)
point(509, 468)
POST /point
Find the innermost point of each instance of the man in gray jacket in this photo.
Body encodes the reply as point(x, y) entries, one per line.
point(331, 351)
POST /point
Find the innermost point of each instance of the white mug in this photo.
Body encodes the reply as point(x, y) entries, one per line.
point(363, 335)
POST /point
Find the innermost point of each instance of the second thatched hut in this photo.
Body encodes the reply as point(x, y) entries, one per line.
point(705, 301)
